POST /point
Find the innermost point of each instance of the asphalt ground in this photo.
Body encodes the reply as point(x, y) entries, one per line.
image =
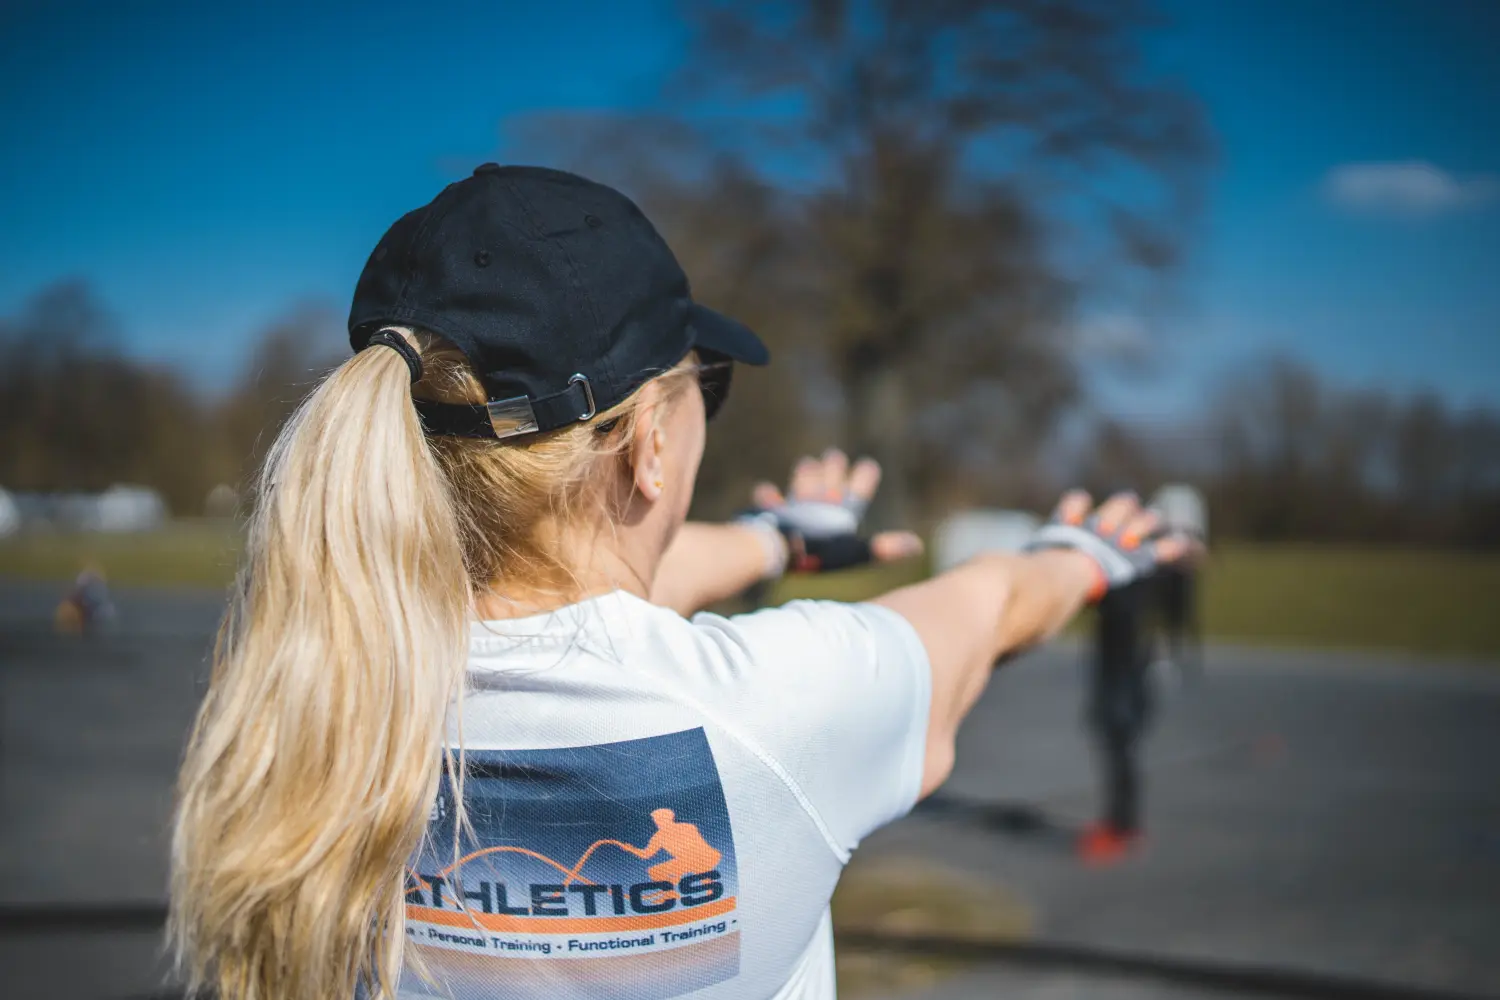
point(1329, 816)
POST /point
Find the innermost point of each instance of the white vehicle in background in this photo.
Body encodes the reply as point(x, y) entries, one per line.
point(128, 508)
point(967, 533)
point(121, 508)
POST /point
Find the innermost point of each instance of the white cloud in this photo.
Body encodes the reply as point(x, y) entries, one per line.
point(1414, 187)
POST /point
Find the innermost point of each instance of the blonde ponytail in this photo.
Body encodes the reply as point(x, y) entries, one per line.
point(316, 753)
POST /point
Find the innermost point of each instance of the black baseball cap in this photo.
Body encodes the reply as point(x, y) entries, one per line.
point(558, 290)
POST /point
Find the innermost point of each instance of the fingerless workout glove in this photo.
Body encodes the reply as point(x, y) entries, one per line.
point(821, 536)
point(1121, 558)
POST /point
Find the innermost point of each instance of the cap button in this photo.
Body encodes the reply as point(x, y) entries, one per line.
point(487, 168)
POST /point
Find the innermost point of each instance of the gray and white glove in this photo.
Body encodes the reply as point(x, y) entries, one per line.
point(821, 535)
point(817, 525)
point(1125, 541)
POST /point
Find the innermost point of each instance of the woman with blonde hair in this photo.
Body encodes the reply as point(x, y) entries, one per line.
point(461, 741)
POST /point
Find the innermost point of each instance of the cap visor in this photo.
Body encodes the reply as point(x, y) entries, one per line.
point(713, 331)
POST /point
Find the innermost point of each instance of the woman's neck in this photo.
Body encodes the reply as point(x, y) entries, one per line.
point(592, 568)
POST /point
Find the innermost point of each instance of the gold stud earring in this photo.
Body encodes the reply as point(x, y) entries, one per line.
point(660, 485)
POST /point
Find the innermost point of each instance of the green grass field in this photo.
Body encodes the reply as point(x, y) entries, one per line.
point(185, 554)
point(1433, 602)
point(1302, 595)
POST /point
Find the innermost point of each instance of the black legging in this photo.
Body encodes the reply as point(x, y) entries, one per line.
point(1120, 701)
point(1178, 603)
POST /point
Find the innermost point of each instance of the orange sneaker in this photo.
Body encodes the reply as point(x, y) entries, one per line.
point(1101, 845)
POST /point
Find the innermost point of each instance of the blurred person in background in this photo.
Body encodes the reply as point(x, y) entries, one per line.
point(87, 607)
point(1183, 510)
point(1151, 620)
point(460, 737)
point(1119, 710)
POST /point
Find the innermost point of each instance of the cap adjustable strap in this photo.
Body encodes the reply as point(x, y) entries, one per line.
point(507, 418)
point(454, 419)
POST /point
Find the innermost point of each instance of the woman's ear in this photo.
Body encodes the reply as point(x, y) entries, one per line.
point(648, 446)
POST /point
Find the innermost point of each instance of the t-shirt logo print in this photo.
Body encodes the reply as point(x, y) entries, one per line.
point(686, 849)
point(601, 871)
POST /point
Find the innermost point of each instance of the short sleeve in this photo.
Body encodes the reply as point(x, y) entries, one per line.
point(838, 696)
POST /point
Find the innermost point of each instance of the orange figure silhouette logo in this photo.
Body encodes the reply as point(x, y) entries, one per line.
point(687, 852)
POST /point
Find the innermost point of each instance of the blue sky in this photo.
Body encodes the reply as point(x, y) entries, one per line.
point(207, 166)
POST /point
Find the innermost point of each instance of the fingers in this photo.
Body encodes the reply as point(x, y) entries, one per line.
point(1113, 513)
point(1138, 528)
point(830, 479)
point(892, 545)
point(1121, 513)
point(807, 479)
point(864, 480)
point(766, 495)
point(835, 475)
point(1074, 507)
point(1172, 548)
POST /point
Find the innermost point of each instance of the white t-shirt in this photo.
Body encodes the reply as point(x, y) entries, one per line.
point(660, 807)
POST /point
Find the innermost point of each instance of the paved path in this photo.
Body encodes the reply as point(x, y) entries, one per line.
point(1330, 813)
point(1322, 812)
point(90, 734)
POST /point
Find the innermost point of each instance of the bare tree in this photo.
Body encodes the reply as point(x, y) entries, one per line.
point(942, 177)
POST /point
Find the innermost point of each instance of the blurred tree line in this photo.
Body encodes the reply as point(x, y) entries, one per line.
point(914, 202)
point(1281, 454)
point(80, 413)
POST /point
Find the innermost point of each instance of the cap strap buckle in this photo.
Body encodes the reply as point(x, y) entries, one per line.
point(511, 417)
point(588, 395)
point(518, 415)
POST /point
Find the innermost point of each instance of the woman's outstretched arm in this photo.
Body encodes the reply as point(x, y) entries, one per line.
point(712, 562)
point(997, 604)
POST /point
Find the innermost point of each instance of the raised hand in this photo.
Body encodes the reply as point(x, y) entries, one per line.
point(1125, 540)
point(820, 518)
